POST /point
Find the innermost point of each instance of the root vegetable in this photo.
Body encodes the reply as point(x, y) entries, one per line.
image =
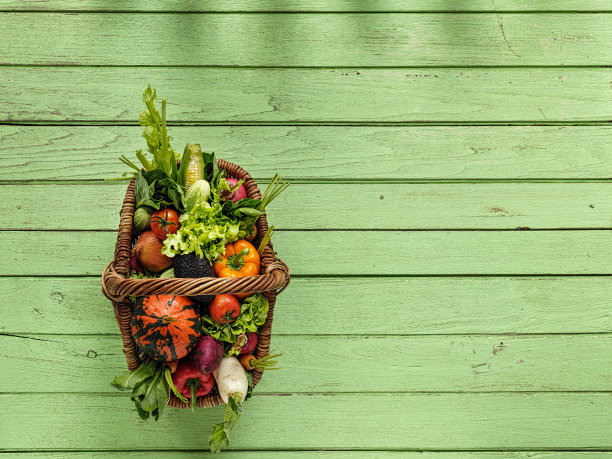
point(233, 387)
point(249, 362)
point(237, 193)
point(231, 379)
point(245, 343)
point(207, 355)
point(251, 343)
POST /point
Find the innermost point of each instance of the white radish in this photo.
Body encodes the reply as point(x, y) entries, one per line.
point(231, 379)
point(233, 387)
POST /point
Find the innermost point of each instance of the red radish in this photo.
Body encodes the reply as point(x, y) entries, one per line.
point(244, 344)
point(207, 354)
point(148, 250)
point(240, 342)
point(251, 343)
point(240, 193)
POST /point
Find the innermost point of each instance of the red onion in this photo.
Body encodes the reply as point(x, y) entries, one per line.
point(148, 250)
point(240, 193)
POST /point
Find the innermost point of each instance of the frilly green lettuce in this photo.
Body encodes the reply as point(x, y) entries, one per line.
point(206, 231)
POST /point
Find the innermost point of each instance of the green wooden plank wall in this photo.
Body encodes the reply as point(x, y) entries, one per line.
point(448, 228)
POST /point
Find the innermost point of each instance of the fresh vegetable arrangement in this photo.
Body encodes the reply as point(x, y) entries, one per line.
point(192, 220)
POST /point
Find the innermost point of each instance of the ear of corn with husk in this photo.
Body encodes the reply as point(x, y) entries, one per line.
point(192, 166)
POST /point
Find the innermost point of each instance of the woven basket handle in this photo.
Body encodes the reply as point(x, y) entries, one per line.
point(116, 287)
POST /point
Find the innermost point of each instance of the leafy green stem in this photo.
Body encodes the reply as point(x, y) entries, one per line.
point(265, 363)
point(164, 139)
point(145, 162)
point(277, 186)
point(194, 388)
point(172, 387)
point(265, 240)
point(129, 163)
point(219, 438)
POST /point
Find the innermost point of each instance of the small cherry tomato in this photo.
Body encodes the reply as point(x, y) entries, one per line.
point(224, 307)
point(164, 222)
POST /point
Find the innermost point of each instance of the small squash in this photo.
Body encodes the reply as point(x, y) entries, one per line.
point(165, 327)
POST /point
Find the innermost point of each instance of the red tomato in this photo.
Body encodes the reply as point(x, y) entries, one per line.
point(164, 222)
point(223, 306)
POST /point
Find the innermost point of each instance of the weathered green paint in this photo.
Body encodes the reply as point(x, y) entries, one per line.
point(347, 152)
point(322, 39)
point(420, 306)
point(337, 363)
point(379, 355)
point(322, 253)
point(381, 206)
point(305, 5)
point(420, 421)
point(281, 95)
point(333, 454)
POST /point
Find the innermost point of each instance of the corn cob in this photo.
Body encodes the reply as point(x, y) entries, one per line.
point(192, 166)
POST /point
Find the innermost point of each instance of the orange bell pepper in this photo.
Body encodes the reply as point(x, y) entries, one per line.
point(240, 259)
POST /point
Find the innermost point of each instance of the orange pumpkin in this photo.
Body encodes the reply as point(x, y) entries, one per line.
point(165, 327)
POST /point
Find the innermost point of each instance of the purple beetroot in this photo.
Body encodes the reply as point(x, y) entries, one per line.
point(207, 354)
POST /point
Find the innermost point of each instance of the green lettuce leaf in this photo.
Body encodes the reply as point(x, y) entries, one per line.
point(206, 231)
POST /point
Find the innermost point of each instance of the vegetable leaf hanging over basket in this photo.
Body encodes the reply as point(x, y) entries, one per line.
point(195, 322)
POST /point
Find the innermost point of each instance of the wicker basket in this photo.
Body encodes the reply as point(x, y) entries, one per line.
point(273, 278)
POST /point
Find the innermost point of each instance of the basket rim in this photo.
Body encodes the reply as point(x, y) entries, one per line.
point(273, 279)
